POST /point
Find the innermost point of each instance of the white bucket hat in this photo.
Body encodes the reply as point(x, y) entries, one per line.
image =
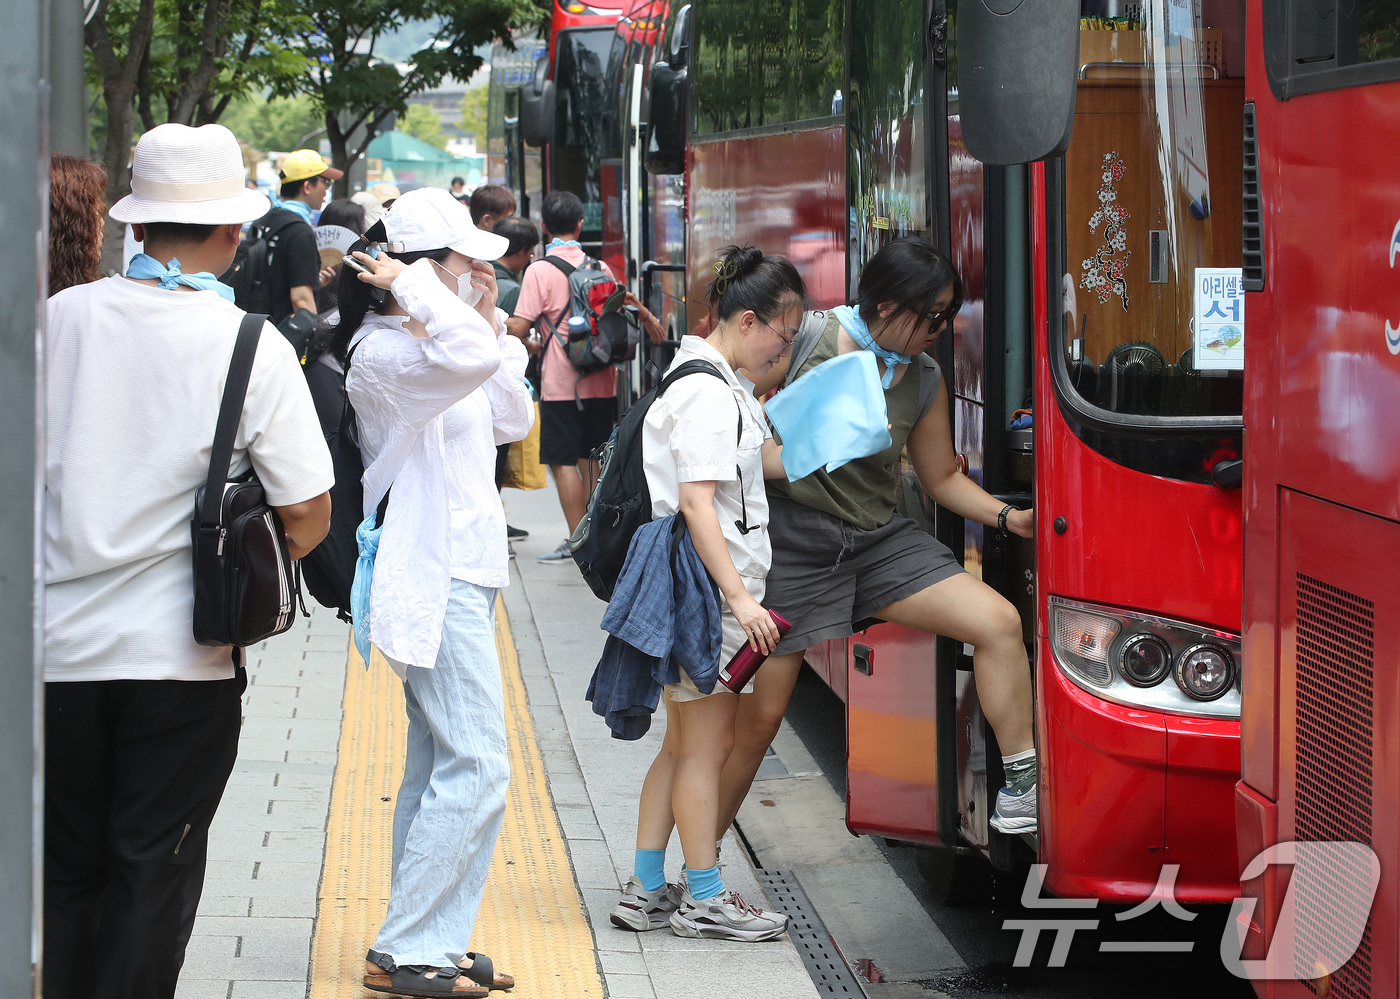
point(430, 219)
point(189, 175)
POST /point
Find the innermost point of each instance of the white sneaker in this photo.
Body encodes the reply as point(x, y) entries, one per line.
point(560, 554)
point(643, 910)
point(726, 917)
point(1015, 813)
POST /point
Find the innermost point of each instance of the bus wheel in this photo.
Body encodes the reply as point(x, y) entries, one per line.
point(959, 880)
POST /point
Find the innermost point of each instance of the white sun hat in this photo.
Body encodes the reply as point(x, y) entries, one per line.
point(430, 219)
point(189, 175)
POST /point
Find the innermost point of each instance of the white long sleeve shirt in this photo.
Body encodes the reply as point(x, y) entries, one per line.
point(431, 411)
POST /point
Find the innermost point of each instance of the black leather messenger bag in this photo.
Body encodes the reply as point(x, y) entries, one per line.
point(244, 588)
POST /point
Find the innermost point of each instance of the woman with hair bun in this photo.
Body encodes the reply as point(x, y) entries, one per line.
point(697, 465)
point(842, 554)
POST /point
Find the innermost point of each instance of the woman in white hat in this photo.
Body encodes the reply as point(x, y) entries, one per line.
point(436, 384)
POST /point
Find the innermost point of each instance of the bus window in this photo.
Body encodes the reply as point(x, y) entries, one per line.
point(888, 130)
point(581, 99)
point(1310, 46)
point(769, 62)
point(1154, 323)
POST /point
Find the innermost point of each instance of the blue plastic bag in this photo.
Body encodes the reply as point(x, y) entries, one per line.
point(833, 414)
point(367, 537)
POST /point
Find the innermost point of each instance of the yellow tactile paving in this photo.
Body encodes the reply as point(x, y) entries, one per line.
point(532, 920)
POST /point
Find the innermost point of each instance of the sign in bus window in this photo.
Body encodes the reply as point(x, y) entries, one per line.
point(1218, 319)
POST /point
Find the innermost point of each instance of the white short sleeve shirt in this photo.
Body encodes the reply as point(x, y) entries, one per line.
point(135, 375)
point(692, 434)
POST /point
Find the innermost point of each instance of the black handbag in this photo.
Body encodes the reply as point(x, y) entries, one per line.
point(244, 588)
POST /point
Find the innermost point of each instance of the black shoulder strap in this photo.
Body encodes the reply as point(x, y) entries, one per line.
point(688, 368)
point(240, 369)
point(563, 265)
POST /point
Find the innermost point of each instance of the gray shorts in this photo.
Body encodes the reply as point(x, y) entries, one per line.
point(828, 575)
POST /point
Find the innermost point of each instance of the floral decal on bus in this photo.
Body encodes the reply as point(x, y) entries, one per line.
point(1104, 272)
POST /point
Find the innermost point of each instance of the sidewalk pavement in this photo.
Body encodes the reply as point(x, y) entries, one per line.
point(252, 939)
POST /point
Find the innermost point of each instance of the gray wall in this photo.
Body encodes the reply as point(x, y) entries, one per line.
point(23, 201)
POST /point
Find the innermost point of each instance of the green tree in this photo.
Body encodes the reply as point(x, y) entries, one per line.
point(280, 124)
point(473, 120)
point(176, 60)
point(355, 89)
point(423, 123)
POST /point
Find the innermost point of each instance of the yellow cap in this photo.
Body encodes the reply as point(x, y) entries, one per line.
point(306, 163)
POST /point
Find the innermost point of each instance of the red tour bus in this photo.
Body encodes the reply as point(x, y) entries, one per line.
point(1321, 725)
point(821, 131)
point(561, 109)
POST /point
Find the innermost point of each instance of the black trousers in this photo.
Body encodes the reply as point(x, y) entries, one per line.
point(134, 771)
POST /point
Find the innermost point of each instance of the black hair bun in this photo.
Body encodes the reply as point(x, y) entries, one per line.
point(741, 261)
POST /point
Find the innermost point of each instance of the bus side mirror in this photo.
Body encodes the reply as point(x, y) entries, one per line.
point(1018, 71)
point(667, 120)
point(537, 107)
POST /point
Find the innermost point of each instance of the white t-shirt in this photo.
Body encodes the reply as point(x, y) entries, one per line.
point(690, 435)
point(135, 376)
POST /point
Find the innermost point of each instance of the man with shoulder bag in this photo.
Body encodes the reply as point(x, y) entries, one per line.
point(143, 684)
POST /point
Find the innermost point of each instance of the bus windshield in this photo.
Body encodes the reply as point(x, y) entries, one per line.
point(581, 98)
point(1154, 319)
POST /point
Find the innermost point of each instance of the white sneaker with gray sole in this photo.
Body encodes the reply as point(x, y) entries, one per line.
point(643, 910)
point(1015, 813)
point(726, 917)
point(559, 555)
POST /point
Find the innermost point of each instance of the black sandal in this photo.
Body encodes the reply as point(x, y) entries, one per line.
point(483, 972)
point(420, 981)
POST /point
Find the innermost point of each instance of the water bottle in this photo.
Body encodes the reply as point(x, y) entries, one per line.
point(577, 327)
point(737, 672)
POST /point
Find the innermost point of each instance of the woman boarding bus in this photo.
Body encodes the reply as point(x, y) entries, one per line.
point(842, 555)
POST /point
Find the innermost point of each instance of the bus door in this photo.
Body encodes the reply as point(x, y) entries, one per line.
point(580, 60)
point(892, 731)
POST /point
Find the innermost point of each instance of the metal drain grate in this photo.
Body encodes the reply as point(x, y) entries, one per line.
point(829, 971)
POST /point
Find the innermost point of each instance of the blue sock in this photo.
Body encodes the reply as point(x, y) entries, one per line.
point(704, 884)
point(650, 868)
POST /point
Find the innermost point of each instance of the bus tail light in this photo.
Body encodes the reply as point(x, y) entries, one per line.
point(1127, 657)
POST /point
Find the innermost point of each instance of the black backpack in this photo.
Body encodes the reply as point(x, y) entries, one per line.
point(621, 501)
point(250, 274)
point(328, 570)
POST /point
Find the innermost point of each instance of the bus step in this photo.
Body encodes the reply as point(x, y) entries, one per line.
point(823, 960)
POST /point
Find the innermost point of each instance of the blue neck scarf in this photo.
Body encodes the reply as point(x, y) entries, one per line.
point(560, 242)
point(297, 207)
point(143, 267)
point(851, 322)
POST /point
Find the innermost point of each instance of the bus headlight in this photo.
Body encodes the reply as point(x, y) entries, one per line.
point(1145, 659)
point(1205, 672)
point(1082, 638)
point(1126, 657)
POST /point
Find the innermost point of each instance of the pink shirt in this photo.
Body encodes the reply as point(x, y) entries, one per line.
point(544, 291)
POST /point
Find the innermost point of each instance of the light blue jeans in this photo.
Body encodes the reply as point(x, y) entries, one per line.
point(453, 796)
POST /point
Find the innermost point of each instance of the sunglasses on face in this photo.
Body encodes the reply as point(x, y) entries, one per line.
point(937, 320)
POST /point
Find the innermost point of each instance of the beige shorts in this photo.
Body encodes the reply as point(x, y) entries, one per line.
point(733, 637)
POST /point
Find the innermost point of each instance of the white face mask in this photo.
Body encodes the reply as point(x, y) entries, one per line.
point(466, 291)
